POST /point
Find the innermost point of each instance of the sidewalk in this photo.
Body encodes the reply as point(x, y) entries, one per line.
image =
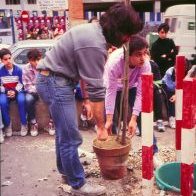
point(28, 166)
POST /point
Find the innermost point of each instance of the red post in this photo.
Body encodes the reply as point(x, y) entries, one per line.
point(180, 74)
point(147, 133)
point(188, 136)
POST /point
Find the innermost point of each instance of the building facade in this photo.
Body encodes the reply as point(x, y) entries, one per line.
point(43, 11)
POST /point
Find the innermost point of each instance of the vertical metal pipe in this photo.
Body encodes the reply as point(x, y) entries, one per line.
point(126, 89)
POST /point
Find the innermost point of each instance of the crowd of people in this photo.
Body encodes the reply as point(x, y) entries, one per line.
point(86, 61)
point(19, 85)
point(45, 32)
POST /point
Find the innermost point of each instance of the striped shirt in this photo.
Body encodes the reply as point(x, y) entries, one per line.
point(29, 79)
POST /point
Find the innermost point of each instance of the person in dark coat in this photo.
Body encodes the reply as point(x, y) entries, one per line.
point(163, 50)
point(157, 98)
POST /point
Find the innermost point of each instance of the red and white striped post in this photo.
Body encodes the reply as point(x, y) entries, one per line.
point(147, 134)
point(180, 73)
point(188, 137)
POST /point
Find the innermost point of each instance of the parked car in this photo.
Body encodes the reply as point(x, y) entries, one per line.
point(4, 46)
point(20, 49)
point(181, 19)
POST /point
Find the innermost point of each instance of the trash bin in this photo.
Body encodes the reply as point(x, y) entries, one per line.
point(168, 177)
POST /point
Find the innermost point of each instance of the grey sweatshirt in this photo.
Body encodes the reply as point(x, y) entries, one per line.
point(81, 53)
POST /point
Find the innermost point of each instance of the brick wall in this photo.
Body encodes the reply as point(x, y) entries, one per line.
point(76, 10)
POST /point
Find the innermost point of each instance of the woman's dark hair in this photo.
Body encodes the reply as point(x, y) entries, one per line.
point(34, 55)
point(120, 20)
point(163, 26)
point(137, 43)
point(3, 52)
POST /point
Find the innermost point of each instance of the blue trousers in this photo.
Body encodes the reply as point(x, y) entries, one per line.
point(5, 102)
point(58, 93)
point(1, 121)
point(31, 99)
point(171, 105)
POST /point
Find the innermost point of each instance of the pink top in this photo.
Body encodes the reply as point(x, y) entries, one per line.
point(113, 80)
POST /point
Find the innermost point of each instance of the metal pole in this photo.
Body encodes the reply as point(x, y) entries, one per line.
point(12, 25)
point(126, 89)
point(22, 4)
point(23, 25)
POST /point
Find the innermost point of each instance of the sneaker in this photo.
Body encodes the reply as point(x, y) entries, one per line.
point(24, 130)
point(160, 126)
point(1, 136)
point(89, 189)
point(34, 130)
point(172, 122)
point(95, 128)
point(8, 130)
point(50, 128)
point(157, 161)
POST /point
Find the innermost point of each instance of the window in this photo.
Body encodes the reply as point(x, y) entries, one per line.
point(191, 25)
point(173, 25)
point(31, 1)
point(21, 58)
point(5, 33)
point(9, 2)
point(4, 22)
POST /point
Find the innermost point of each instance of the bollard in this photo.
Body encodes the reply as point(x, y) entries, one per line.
point(180, 74)
point(147, 134)
point(188, 137)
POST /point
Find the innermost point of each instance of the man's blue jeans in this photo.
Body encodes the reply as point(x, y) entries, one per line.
point(5, 101)
point(58, 93)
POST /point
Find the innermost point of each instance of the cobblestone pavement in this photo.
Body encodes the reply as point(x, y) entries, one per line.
point(28, 166)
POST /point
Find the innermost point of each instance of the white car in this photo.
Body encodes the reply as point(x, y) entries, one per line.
point(181, 19)
point(4, 46)
point(20, 49)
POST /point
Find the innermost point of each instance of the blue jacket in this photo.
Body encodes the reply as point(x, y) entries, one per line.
point(169, 79)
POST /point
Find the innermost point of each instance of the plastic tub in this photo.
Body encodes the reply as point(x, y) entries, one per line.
point(168, 177)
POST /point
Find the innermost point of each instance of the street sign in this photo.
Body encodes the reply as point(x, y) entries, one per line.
point(25, 16)
point(53, 4)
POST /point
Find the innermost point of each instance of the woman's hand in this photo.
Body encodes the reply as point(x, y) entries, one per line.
point(108, 124)
point(132, 126)
point(172, 98)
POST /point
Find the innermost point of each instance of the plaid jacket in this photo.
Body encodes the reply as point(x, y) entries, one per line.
point(29, 79)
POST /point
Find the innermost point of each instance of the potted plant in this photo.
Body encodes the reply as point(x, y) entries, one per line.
point(113, 153)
